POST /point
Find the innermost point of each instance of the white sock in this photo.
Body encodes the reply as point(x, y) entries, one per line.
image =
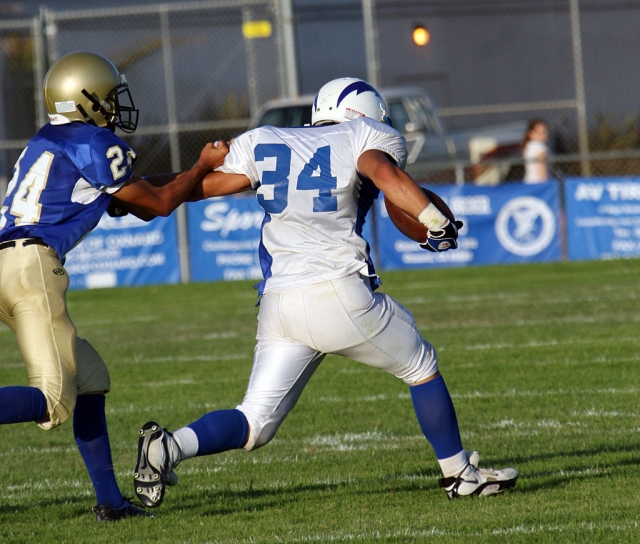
point(454, 465)
point(188, 442)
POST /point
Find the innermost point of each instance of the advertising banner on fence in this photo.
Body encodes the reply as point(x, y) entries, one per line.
point(224, 235)
point(603, 218)
point(125, 251)
point(511, 223)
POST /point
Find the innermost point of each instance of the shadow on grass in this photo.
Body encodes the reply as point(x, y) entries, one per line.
point(229, 501)
point(67, 507)
point(631, 448)
point(213, 502)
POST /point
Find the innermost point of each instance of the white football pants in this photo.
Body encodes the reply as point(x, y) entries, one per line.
point(298, 327)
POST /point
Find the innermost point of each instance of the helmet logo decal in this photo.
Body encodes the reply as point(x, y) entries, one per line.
point(352, 114)
point(358, 87)
point(65, 107)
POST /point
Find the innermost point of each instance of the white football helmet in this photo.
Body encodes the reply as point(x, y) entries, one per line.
point(345, 99)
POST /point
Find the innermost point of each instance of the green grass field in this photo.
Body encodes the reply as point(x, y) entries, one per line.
point(541, 361)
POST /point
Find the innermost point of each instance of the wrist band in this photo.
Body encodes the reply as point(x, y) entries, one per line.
point(431, 217)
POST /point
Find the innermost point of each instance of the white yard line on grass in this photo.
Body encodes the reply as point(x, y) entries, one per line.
point(528, 322)
point(433, 533)
point(604, 360)
point(489, 394)
point(12, 365)
point(186, 358)
point(116, 321)
point(540, 344)
point(25, 490)
point(519, 296)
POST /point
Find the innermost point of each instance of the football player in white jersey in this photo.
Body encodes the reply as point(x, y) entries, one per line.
point(69, 174)
point(316, 185)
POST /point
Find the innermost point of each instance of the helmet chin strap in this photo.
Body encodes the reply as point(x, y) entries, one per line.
point(97, 107)
point(85, 115)
point(114, 118)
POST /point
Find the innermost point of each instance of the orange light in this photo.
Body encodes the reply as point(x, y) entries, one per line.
point(421, 35)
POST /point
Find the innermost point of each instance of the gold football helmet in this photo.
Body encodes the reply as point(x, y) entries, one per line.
point(87, 87)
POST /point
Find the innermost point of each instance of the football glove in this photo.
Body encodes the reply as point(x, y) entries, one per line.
point(116, 211)
point(444, 238)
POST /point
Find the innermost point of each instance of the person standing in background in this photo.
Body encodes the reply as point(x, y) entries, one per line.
point(536, 152)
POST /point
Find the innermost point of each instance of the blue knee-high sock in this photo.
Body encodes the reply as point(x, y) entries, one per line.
point(19, 404)
point(220, 431)
point(90, 431)
point(437, 417)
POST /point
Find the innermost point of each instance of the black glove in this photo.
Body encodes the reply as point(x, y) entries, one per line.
point(439, 240)
point(116, 211)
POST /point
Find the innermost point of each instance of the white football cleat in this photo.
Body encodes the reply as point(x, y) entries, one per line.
point(479, 481)
point(158, 455)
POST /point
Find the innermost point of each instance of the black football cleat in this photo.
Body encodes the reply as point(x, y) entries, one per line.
point(104, 512)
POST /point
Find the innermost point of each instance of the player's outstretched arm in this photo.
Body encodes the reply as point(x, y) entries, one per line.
point(220, 184)
point(160, 195)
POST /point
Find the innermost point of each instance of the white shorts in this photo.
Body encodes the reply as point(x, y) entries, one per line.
point(298, 327)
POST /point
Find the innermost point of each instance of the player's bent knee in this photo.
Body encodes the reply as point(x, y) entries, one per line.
point(259, 435)
point(59, 407)
point(92, 375)
point(427, 372)
point(426, 366)
point(59, 390)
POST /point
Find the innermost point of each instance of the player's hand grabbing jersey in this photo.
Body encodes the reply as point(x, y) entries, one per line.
point(62, 184)
point(315, 202)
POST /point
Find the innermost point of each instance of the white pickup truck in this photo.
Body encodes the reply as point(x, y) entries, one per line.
point(482, 155)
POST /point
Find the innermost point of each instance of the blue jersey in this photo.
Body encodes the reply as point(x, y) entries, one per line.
point(62, 184)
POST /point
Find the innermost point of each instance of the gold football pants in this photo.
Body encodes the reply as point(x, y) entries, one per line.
point(33, 287)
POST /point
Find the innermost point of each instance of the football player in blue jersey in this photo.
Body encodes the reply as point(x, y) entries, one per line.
point(68, 175)
point(316, 185)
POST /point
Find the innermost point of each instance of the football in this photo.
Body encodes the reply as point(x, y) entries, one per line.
point(410, 227)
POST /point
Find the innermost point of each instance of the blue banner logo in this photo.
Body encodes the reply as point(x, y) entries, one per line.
point(125, 251)
point(526, 226)
point(603, 218)
point(224, 235)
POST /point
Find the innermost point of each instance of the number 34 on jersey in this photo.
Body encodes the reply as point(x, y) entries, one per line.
point(308, 179)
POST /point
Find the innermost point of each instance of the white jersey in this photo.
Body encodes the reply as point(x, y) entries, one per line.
point(535, 154)
point(315, 201)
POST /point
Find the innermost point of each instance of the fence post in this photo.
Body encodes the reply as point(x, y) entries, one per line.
point(38, 70)
point(287, 49)
point(252, 82)
point(578, 71)
point(174, 141)
point(371, 42)
point(51, 34)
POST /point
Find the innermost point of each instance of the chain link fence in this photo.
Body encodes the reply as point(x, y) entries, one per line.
point(17, 89)
point(564, 61)
point(193, 72)
point(195, 75)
